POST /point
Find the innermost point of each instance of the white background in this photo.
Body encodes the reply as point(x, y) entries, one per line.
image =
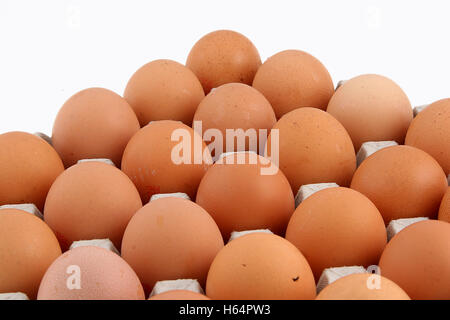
point(51, 49)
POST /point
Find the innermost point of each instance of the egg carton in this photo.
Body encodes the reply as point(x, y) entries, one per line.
point(103, 160)
point(418, 109)
point(395, 226)
point(237, 234)
point(27, 207)
point(370, 147)
point(169, 195)
point(13, 296)
point(180, 284)
point(330, 275)
point(44, 136)
point(102, 243)
point(308, 190)
point(339, 84)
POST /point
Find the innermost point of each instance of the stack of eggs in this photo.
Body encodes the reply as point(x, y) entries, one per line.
point(228, 178)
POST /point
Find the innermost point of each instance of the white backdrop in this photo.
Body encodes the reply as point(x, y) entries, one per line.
point(53, 48)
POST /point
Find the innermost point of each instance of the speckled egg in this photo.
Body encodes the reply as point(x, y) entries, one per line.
point(169, 239)
point(293, 79)
point(28, 167)
point(93, 123)
point(312, 147)
point(164, 90)
point(164, 157)
point(27, 248)
point(260, 266)
point(402, 181)
point(337, 227)
point(430, 131)
point(90, 273)
point(223, 56)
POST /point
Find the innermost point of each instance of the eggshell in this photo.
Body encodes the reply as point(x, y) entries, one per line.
point(292, 79)
point(28, 167)
point(337, 227)
point(402, 181)
point(27, 248)
point(430, 131)
point(148, 160)
point(313, 148)
point(91, 200)
point(372, 108)
point(418, 260)
point(179, 295)
point(236, 106)
point(169, 239)
point(223, 56)
point(360, 287)
point(239, 197)
point(444, 209)
point(260, 266)
point(164, 90)
point(93, 123)
point(102, 275)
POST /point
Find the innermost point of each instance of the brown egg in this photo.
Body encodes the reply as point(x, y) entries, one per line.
point(292, 79)
point(372, 108)
point(166, 156)
point(418, 260)
point(27, 248)
point(93, 123)
point(164, 90)
point(171, 238)
point(236, 106)
point(313, 148)
point(179, 295)
point(430, 131)
point(260, 266)
point(223, 56)
point(402, 181)
point(28, 167)
point(444, 209)
point(240, 196)
point(337, 227)
point(90, 273)
point(91, 200)
point(363, 286)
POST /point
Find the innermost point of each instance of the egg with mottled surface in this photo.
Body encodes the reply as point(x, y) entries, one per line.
point(293, 79)
point(430, 131)
point(90, 273)
point(171, 238)
point(164, 90)
point(337, 227)
point(27, 248)
point(93, 123)
point(313, 147)
point(164, 157)
point(402, 181)
point(91, 200)
point(365, 286)
point(223, 56)
point(260, 266)
point(418, 260)
point(28, 167)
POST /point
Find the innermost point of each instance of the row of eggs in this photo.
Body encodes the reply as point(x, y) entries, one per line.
point(176, 238)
